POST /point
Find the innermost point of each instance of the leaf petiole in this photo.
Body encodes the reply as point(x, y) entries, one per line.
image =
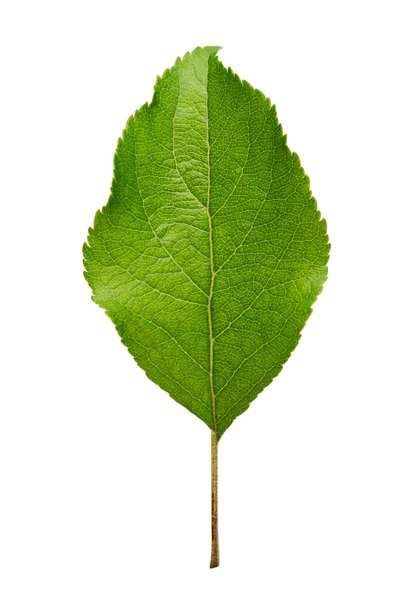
point(215, 547)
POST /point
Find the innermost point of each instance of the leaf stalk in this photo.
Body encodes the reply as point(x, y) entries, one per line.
point(215, 547)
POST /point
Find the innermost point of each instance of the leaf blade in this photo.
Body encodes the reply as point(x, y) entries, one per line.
point(210, 251)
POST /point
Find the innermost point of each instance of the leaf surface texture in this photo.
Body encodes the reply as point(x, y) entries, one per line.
point(211, 250)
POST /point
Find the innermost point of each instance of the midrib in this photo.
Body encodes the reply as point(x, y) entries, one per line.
point(211, 260)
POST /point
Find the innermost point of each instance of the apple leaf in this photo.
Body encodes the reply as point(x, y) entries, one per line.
point(210, 251)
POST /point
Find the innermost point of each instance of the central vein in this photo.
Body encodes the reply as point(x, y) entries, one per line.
point(211, 289)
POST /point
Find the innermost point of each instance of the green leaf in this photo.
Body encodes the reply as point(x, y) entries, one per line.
point(210, 251)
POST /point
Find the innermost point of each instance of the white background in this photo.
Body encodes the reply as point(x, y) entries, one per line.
point(105, 482)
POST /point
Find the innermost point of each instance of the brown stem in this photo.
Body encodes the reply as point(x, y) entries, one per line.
point(215, 547)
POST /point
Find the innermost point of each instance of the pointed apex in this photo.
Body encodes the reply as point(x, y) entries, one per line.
point(211, 49)
point(206, 51)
